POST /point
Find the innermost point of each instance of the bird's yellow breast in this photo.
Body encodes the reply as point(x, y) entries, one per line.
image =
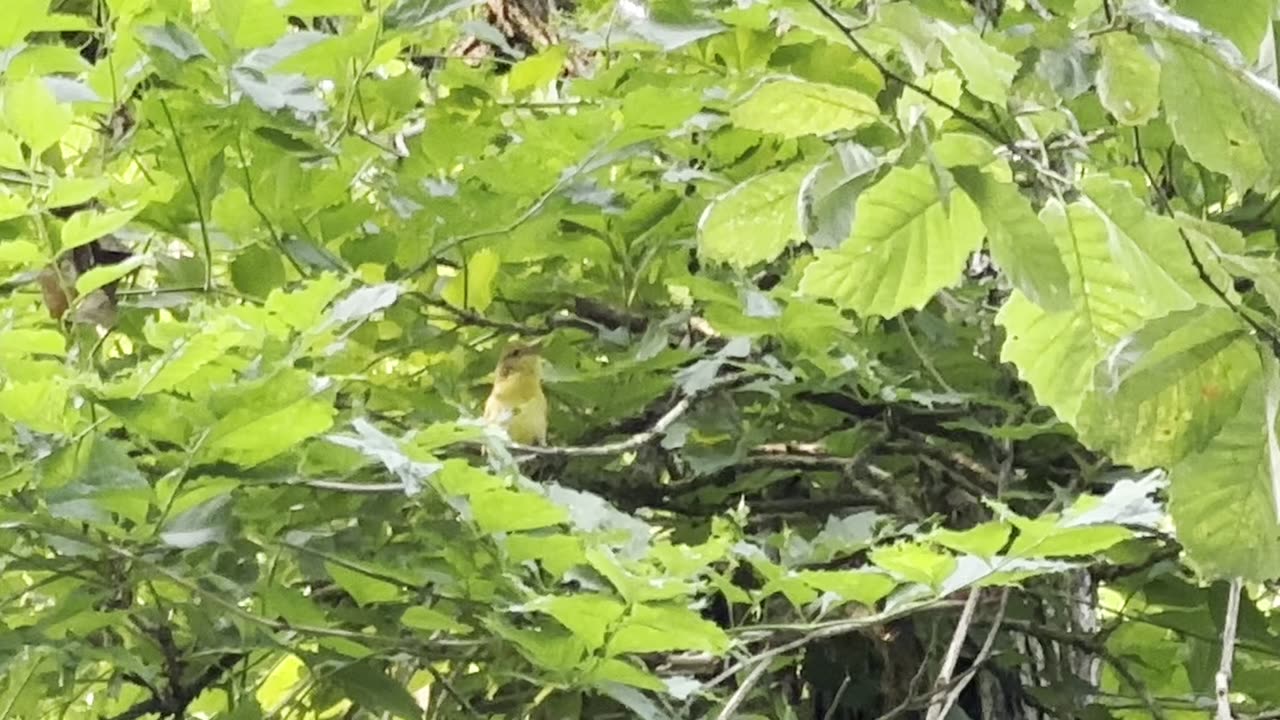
point(523, 413)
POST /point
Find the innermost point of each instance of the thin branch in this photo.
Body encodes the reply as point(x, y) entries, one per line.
point(924, 359)
point(982, 125)
point(1222, 681)
point(565, 178)
point(743, 690)
point(195, 195)
point(262, 215)
point(988, 644)
point(631, 443)
point(1163, 201)
point(939, 705)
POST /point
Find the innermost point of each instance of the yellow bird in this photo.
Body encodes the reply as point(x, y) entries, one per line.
point(516, 401)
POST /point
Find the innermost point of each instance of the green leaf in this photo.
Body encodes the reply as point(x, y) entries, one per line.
point(915, 562)
point(364, 588)
point(201, 525)
point(508, 510)
point(795, 108)
point(323, 8)
point(22, 17)
point(865, 588)
point(666, 628)
point(587, 616)
point(1243, 22)
point(369, 688)
point(988, 72)
point(829, 193)
point(1223, 500)
point(983, 540)
point(1020, 244)
point(537, 71)
point(102, 275)
point(420, 617)
point(907, 244)
point(1221, 114)
point(270, 417)
point(408, 14)
point(34, 115)
point(1057, 352)
point(473, 287)
point(88, 225)
point(1128, 79)
point(1046, 538)
point(1168, 389)
point(250, 23)
point(31, 341)
point(755, 221)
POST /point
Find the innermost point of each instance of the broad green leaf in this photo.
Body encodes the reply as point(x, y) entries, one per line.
point(1243, 22)
point(915, 562)
point(988, 72)
point(795, 108)
point(983, 540)
point(407, 14)
point(474, 285)
point(303, 308)
point(614, 670)
point(270, 417)
point(364, 302)
point(22, 17)
point(1220, 113)
point(364, 588)
point(323, 8)
point(906, 246)
point(1047, 538)
point(829, 193)
point(39, 404)
point(250, 23)
point(1167, 390)
point(755, 221)
point(550, 648)
point(421, 617)
point(88, 225)
point(34, 115)
point(1128, 79)
point(1148, 247)
point(665, 628)
point(1223, 499)
point(1057, 352)
point(588, 616)
point(865, 588)
point(105, 274)
point(20, 253)
point(508, 510)
point(1020, 244)
point(370, 689)
point(201, 525)
point(32, 341)
point(538, 70)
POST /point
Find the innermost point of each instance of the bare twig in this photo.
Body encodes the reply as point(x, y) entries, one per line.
point(631, 443)
point(195, 195)
point(1222, 681)
point(528, 214)
point(1167, 209)
point(743, 690)
point(938, 705)
point(982, 125)
point(953, 694)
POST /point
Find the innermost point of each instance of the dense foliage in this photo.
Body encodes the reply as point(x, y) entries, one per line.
point(903, 357)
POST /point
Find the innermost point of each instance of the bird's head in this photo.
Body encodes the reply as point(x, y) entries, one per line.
point(520, 360)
